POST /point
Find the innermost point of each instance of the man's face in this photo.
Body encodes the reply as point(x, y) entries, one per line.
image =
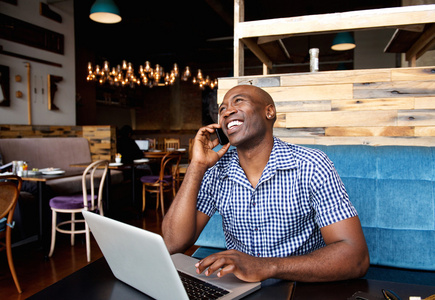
point(242, 116)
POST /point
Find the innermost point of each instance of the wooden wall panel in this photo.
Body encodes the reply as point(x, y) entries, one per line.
point(370, 107)
point(373, 104)
point(102, 139)
point(394, 89)
point(341, 118)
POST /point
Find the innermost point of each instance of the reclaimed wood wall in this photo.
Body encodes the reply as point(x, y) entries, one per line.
point(102, 139)
point(370, 107)
point(35, 131)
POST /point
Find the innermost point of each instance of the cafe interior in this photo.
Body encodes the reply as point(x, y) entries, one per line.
point(354, 79)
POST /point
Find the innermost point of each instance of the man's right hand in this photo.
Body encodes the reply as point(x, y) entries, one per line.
point(203, 152)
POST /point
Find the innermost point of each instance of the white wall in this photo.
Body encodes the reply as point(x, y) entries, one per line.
point(17, 112)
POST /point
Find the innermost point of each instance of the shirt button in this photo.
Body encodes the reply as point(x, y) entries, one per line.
point(253, 204)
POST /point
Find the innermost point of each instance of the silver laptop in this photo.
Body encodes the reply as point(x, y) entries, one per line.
point(140, 259)
point(143, 144)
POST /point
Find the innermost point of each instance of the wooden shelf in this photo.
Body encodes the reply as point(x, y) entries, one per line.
point(252, 32)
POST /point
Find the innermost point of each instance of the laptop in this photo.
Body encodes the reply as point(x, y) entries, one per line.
point(140, 259)
point(143, 144)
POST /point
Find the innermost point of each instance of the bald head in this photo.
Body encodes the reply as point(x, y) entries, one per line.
point(255, 91)
point(261, 96)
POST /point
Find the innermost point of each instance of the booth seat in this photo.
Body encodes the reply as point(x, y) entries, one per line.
point(393, 190)
point(59, 152)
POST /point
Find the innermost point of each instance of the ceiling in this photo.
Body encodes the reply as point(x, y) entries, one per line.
point(199, 33)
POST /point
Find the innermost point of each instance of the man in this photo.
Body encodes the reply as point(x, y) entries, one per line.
point(285, 211)
point(126, 146)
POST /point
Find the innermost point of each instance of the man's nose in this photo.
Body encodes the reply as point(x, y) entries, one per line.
point(229, 111)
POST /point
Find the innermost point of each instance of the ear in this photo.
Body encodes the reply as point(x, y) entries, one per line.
point(270, 112)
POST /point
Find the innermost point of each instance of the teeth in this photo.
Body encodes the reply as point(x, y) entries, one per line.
point(234, 123)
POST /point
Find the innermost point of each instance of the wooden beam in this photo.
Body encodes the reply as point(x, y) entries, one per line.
point(29, 95)
point(425, 41)
point(335, 22)
point(267, 39)
point(252, 45)
point(239, 16)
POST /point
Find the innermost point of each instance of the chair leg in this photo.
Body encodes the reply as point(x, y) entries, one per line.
point(73, 227)
point(157, 199)
point(162, 203)
point(53, 232)
point(10, 260)
point(143, 197)
point(88, 242)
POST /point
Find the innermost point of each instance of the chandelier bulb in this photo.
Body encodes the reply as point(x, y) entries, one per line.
point(124, 75)
point(199, 74)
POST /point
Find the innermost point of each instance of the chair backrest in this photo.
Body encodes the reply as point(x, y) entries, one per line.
point(172, 143)
point(167, 163)
point(12, 178)
point(152, 144)
point(9, 193)
point(99, 164)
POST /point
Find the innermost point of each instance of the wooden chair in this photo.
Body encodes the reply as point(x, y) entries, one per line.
point(164, 182)
point(172, 143)
point(151, 144)
point(73, 204)
point(9, 193)
point(182, 168)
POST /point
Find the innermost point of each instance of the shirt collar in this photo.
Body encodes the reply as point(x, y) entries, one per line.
point(281, 158)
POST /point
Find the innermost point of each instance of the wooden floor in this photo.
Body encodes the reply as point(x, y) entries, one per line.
point(36, 273)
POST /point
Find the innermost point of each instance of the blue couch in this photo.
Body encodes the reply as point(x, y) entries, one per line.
point(393, 190)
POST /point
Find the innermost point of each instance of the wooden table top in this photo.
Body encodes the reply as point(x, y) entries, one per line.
point(45, 177)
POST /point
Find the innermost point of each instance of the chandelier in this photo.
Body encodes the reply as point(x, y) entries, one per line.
point(124, 75)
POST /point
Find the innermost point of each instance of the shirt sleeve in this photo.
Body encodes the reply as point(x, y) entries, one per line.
point(330, 199)
point(206, 202)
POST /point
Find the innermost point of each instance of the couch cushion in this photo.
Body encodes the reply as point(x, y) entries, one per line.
point(70, 202)
point(73, 185)
point(212, 236)
point(3, 222)
point(46, 152)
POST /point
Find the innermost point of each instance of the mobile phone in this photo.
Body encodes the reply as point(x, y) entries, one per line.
point(223, 139)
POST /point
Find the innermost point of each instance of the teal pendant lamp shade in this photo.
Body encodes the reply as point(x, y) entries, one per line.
point(105, 11)
point(343, 41)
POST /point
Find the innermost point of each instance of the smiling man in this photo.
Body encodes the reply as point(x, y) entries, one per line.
point(285, 211)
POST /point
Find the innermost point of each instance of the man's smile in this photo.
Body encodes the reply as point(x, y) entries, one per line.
point(232, 125)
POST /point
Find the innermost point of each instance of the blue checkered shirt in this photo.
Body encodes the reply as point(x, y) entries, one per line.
point(298, 193)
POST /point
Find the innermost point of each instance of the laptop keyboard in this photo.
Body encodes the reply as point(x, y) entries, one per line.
point(198, 289)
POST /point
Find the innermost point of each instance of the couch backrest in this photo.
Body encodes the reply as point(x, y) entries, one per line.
point(393, 190)
point(46, 152)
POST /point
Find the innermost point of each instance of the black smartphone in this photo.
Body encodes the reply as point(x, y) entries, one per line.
point(223, 139)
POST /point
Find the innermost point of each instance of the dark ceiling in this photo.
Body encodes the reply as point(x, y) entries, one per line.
point(199, 33)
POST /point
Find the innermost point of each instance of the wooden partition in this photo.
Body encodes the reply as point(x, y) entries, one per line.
point(370, 107)
point(102, 139)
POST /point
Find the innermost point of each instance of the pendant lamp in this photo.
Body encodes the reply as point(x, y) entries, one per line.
point(105, 11)
point(343, 41)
